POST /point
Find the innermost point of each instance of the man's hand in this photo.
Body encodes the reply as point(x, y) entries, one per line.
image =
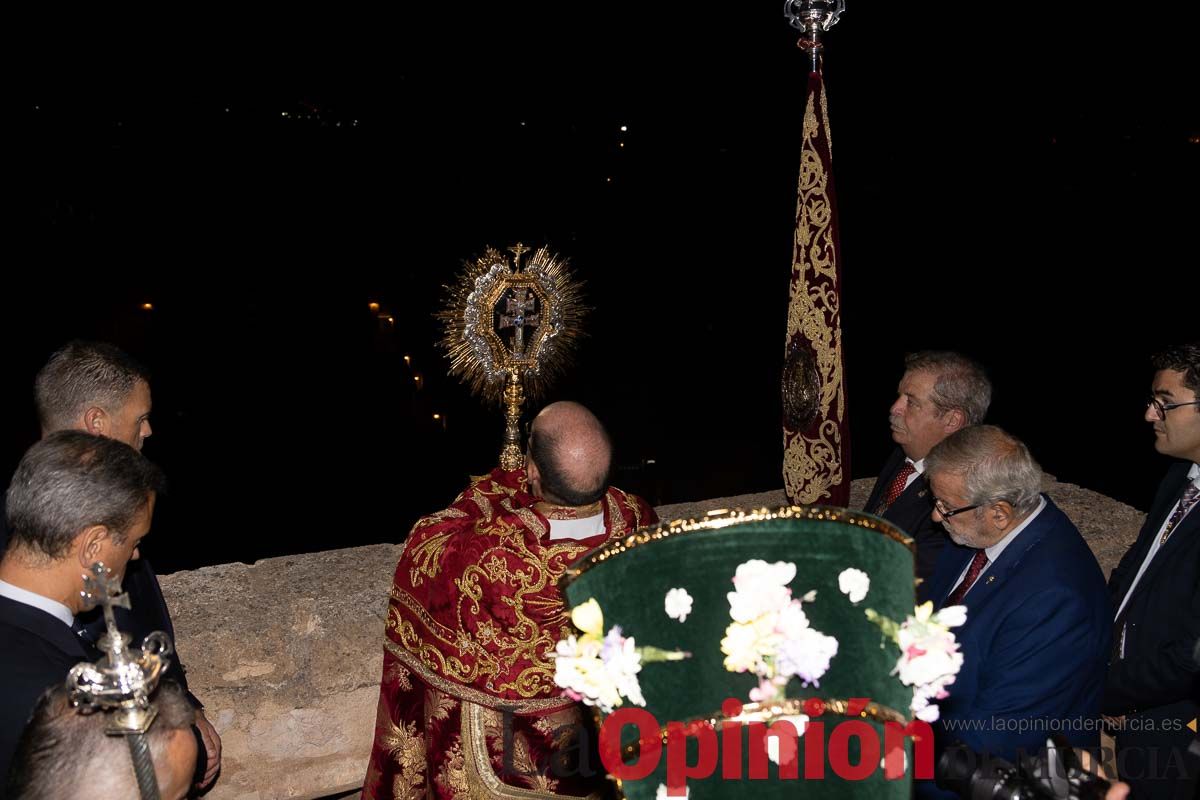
point(212, 743)
point(1115, 723)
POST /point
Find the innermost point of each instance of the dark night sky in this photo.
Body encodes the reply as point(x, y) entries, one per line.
point(1022, 192)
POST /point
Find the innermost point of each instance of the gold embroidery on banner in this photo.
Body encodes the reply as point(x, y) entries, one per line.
point(478, 763)
point(813, 465)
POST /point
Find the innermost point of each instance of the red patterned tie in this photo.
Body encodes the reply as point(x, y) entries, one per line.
point(896, 487)
point(977, 565)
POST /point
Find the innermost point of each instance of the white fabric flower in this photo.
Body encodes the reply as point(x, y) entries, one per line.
point(854, 583)
point(951, 616)
point(760, 589)
point(746, 644)
point(792, 620)
point(929, 656)
point(807, 656)
point(623, 665)
point(678, 604)
point(601, 674)
point(661, 794)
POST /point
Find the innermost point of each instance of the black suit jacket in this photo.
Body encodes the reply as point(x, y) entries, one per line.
point(39, 651)
point(911, 513)
point(1163, 615)
point(1157, 683)
point(148, 614)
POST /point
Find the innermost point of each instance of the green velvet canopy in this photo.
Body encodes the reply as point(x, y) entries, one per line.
point(630, 578)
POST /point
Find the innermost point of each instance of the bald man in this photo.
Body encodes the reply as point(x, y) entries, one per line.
point(475, 613)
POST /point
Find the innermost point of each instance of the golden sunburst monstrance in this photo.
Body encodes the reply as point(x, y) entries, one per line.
point(511, 328)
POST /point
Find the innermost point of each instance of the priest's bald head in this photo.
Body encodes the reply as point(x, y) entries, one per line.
point(569, 455)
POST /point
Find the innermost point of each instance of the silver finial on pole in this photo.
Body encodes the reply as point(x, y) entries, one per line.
point(123, 680)
point(812, 18)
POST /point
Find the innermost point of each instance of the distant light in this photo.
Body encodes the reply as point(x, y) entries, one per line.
point(620, 144)
point(283, 113)
point(522, 123)
point(437, 416)
point(373, 306)
point(608, 180)
point(147, 306)
point(417, 380)
point(1194, 139)
point(391, 320)
point(227, 111)
point(408, 361)
point(624, 128)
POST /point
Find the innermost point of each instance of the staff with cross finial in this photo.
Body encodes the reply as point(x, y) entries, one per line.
point(120, 680)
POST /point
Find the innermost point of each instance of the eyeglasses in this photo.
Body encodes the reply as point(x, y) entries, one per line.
point(945, 512)
point(1161, 408)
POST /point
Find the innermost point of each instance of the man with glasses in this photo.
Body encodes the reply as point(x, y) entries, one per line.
point(1037, 629)
point(1153, 680)
point(940, 393)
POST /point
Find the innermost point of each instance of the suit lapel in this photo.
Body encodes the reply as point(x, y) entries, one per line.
point(1164, 502)
point(46, 627)
point(1186, 531)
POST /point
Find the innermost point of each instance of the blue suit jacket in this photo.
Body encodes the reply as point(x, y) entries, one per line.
point(1035, 644)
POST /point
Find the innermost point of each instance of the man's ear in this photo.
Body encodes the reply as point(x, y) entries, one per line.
point(91, 545)
point(956, 420)
point(1000, 514)
point(96, 421)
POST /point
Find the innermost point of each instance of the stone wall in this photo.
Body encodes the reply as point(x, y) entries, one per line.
point(286, 653)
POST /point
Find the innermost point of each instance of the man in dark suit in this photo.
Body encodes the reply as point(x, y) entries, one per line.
point(940, 393)
point(97, 388)
point(75, 499)
point(1037, 630)
point(1153, 685)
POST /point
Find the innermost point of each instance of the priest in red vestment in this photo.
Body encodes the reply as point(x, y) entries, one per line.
point(468, 707)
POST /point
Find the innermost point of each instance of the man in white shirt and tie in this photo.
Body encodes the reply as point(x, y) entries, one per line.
point(940, 392)
point(75, 499)
point(1153, 686)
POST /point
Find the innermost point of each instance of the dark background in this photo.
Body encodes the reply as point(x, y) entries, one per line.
point(1021, 189)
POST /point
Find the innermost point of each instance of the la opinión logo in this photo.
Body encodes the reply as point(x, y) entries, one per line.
point(723, 743)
